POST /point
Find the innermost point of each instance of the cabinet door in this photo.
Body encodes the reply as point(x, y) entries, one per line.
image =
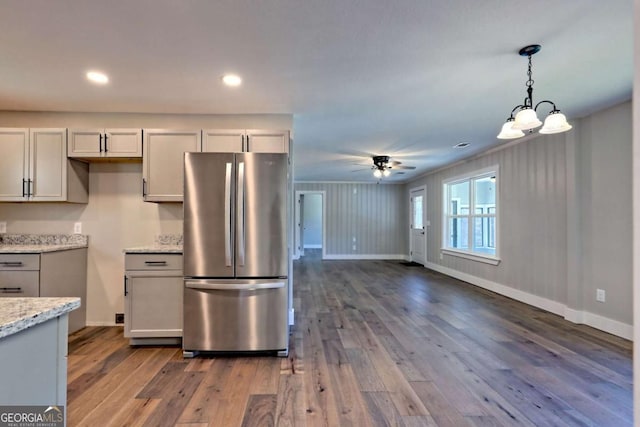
point(153, 305)
point(223, 140)
point(15, 283)
point(48, 164)
point(267, 141)
point(85, 143)
point(123, 143)
point(14, 164)
point(163, 163)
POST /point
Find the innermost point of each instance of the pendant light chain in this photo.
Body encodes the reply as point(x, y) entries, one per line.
point(530, 81)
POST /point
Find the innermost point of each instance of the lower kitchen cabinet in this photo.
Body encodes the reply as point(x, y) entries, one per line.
point(47, 274)
point(153, 291)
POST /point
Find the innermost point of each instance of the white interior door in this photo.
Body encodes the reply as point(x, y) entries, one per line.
point(418, 237)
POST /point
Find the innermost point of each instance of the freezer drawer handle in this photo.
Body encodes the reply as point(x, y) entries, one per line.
point(156, 263)
point(240, 211)
point(11, 264)
point(11, 290)
point(227, 215)
point(232, 286)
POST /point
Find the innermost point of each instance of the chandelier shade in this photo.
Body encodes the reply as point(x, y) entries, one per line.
point(555, 122)
point(526, 117)
point(508, 132)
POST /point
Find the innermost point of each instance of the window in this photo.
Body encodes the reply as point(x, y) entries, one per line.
point(471, 215)
point(417, 213)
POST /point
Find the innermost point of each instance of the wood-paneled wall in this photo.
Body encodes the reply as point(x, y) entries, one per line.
point(375, 214)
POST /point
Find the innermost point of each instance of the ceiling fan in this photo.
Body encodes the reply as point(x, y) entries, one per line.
point(383, 166)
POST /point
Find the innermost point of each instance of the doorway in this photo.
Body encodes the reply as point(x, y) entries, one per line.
point(417, 232)
point(310, 223)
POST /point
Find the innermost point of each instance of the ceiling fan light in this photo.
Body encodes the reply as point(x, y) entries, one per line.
point(556, 122)
point(526, 119)
point(386, 172)
point(377, 173)
point(508, 132)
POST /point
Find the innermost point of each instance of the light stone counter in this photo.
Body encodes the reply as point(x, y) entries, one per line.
point(164, 244)
point(17, 314)
point(39, 243)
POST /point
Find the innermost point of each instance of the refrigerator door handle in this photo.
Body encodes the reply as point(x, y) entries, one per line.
point(229, 286)
point(240, 212)
point(227, 215)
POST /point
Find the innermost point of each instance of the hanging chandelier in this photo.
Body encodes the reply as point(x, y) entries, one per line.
point(526, 117)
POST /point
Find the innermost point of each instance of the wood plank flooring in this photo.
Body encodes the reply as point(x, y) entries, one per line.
point(375, 343)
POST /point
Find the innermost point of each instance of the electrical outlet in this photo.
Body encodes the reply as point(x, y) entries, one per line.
point(441, 256)
point(3, 227)
point(354, 239)
point(600, 295)
point(353, 247)
point(119, 318)
point(77, 228)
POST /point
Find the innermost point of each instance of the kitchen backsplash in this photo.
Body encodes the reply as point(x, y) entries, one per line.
point(169, 239)
point(44, 239)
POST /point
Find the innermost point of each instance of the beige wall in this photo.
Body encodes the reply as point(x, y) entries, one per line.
point(565, 221)
point(115, 217)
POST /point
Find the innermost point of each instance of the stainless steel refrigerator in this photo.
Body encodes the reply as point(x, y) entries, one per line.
point(235, 253)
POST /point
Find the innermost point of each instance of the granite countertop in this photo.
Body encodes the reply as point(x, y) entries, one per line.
point(155, 249)
point(17, 314)
point(163, 244)
point(38, 243)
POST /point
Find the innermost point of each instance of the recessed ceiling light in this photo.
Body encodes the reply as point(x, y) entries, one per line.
point(232, 80)
point(462, 145)
point(98, 77)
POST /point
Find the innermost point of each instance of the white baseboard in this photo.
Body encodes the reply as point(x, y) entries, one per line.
point(89, 323)
point(366, 256)
point(313, 246)
point(602, 323)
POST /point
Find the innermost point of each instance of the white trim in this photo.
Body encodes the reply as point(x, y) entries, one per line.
point(313, 246)
point(424, 221)
point(476, 256)
point(602, 323)
point(382, 181)
point(296, 241)
point(367, 256)
point(292, 312)
point(95, 323)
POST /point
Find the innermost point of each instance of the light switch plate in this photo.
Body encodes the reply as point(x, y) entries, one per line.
point(3, 227)
point(600, 295)
point(77, 228)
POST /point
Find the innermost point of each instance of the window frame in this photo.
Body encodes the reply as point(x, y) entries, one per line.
point(471, 216)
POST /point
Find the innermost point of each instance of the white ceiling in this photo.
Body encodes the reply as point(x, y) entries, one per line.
point(405, 78)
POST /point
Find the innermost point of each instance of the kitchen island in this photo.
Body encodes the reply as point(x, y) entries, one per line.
point(33, 350)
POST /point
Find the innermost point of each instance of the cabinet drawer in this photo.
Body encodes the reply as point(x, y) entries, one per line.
point(19, 262)
point(153, 262)
point(19, 283)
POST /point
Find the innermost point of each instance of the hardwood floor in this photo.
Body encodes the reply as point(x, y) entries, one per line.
point(375, 343)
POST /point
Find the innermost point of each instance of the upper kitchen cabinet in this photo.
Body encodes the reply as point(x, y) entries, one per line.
point(92, 144)
point(163, 162)
point(34, 167)
point(241, 140)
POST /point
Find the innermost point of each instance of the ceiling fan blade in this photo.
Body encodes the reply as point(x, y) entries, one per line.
point(395, 163)
point(404, 167)
point(360, 170)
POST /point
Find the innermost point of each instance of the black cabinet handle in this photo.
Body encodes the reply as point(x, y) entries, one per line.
point(105, 143)
point(30, 188)
point(24, 191)
point(101, 143)
point(11, 263)
point(144, 187)
point(10, 290)
point(248, 148)
point(157, 263)
point(125, 286)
